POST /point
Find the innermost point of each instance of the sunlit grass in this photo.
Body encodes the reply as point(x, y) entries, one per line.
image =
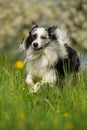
point(50, 108)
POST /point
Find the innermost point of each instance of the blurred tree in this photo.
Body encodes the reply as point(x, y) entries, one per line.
point(16, 17)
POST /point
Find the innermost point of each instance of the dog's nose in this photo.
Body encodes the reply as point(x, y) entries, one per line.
point(35, 45)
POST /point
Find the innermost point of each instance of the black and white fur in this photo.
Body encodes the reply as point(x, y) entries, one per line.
point(48, 53)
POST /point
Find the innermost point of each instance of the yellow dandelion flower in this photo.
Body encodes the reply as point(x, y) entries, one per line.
point(67, 115)
point(21, 116)
point(19, 64)
point(69, 125)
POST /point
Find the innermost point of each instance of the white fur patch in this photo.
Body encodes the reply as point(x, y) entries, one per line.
point(29, 79)
point(62, 36)
point(22, 47)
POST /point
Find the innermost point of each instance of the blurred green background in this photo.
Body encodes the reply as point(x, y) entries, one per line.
point(16, 17)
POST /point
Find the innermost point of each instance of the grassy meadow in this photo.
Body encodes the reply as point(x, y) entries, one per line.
point(51, 108)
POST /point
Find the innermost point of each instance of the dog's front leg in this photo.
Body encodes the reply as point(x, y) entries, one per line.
point(33, 87)
point(29, 79)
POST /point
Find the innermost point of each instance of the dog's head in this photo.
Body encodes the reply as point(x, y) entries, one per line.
point(38, 38)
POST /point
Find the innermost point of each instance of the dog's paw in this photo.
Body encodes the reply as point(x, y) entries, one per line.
point(35, 88)
point(29, 80)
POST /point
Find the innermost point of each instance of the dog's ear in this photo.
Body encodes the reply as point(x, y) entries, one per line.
point(52, 29)
point(51, 32)
point(34, 25)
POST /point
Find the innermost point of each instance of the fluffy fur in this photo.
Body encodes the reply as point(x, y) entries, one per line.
point(48, 53)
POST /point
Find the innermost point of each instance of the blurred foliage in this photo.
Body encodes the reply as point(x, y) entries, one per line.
point(16, 17)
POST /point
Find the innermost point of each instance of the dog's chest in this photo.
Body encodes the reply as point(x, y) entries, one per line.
point(38, 66)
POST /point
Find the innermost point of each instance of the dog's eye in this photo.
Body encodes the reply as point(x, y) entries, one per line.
point(43, 37)
point(34, 36)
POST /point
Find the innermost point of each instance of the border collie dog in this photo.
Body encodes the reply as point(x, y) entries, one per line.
point(48, 54)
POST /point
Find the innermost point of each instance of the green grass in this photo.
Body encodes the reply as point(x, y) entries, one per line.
point(48, 109)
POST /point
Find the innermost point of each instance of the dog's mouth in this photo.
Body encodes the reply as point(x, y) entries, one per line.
point(41, 48)
point(37, 49)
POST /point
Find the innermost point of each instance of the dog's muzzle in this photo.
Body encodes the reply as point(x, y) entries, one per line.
point(36, 47)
